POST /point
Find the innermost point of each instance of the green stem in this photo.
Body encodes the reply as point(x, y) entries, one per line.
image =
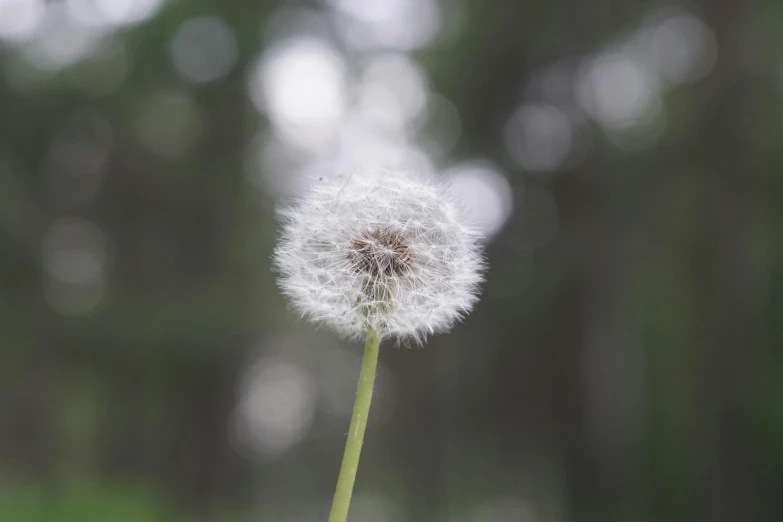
point(353, 446)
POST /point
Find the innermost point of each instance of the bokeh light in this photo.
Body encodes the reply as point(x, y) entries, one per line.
point(204, 49)
point(393, 91)
point(274, 165)
point(361, 144)
point(300, 84)
point(20, 19)
point(485, 192)
point(683, 48)
point(276, 408)
point(443, 127)
point(113, 13)
point(539, 137)
point(618, 91)
point(61, 40)
point(74, 253)
point(400, 24)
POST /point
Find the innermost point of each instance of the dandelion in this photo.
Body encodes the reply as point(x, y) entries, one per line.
point(374, 255)
point(384, 252)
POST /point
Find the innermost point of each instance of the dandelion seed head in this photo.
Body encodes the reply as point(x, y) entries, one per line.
point(380, 252)
point(385, 251)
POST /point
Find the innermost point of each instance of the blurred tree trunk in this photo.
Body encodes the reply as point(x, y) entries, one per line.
point(725, 277)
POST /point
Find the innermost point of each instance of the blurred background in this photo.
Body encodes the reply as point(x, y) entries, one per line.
point(623, 158)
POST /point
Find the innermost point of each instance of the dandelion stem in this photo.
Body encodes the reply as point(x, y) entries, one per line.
point(353, 446)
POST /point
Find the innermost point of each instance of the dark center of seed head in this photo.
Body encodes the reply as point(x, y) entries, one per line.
point(381, 252)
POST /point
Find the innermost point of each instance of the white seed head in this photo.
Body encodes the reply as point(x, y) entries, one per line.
point(384, 251)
